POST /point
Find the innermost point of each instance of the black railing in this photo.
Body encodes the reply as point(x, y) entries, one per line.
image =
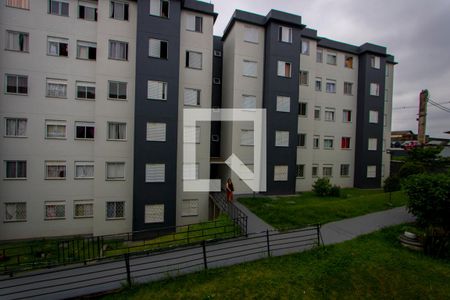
point(145, 266)
point(239, 218)
point(52, 253)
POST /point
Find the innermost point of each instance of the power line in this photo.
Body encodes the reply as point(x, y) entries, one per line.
point(438, 105)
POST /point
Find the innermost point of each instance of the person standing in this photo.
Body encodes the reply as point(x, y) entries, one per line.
point(229, 189)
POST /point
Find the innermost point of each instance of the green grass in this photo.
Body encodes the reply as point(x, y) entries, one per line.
point(374, 266)
point(306, 208)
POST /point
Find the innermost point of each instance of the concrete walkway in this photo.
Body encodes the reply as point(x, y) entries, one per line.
point(254, 223)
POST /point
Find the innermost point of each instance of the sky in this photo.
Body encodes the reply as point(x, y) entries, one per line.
point(416, 32)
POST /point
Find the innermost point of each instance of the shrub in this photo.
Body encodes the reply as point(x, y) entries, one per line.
point(392, 184)
point(335, 191)
point(322, 187)
point(410, 168)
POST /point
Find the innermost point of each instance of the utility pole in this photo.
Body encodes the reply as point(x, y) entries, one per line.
point(422, 117)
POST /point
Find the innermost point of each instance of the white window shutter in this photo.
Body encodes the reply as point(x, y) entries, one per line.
point(281, 71)
point(283, 104)
point(280, 173)
point(154, 213)
point(190, 22)
point(155, 7)
point(282, 138)
point(247, 138)
point(154, 48)
point(156, 132)
point(155, 172)
point(157, 90)
point(250, 68)
point(190, 97)
point(248, 101)
point(195, 60)
point(373, 116)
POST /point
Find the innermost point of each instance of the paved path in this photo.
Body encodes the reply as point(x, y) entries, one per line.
point(254, 223)
point(340, 231)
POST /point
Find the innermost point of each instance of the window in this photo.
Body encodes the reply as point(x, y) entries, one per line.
point(16, 169)
point(305, 47)
point(193, 60)
point(315, 170)
point(156, 132)
point(374, 89)
point(155, 172)
point(118, 11)
point(303, 109)
point(328, 142)
point(217, 53)
point(86, 50)
point(318, 84)
point(17, 41)
point(194, 23)
point(159, 8)
point(348, 86)
point(250, 68)
point(85, 90)
point(191, 97)
point(372, 144)
point(16, 127)
point(302, 140)
point(280, 173)
point(319, 55)
point(285, 34)
point(327, 171)
point(87, 11)
point(154, 213)
point(316, 142)
point(23, 4)
point(191, 171)
point(345, 170)
point(83, 209)
point(345, 142)
point(332, 59)
point(284, 69)
point(56, 88)
point(317, 113)
point(300, 171)
point(16, 84)
point(117, 131)
point(118, 50)
point(282, 138)
point(304, 77)
point(16, 211)
point(329, 115)
point(115, 171)
point(191, 134)
point(57, 46)
point(157, 90)
point(84, 169)
point(251, 34)
point(84, 130)
point(283, 104)
point(216, 80)
point(117, 90)
point(115, 210)
point(189, 207)
point(157, 48)
point(346, 116)
point(247, 137)
point(331, 86)
point(371, 171)
point(59, 8)
point(55, 129)
point(349, 61)
point(55, 170)
point(373, 116)
point(248, 101)
point(375, 61)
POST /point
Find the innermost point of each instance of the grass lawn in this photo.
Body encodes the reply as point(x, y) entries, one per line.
point(306, 208)
point(374, 266)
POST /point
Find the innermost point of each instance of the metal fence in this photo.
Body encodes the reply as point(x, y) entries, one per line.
point(238, 216)
point(105, 275)
point(53, 253)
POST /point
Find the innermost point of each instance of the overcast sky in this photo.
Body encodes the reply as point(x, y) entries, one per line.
point(416, 32)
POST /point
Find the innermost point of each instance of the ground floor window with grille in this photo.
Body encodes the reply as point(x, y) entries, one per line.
point(345, 170)
point(300, 171)
point(16, 211)
point(154, 213)
point(55, 170)
point(16, 169)
point(83, 209)
point(327, 171)
point(115, 171)
point(55, 210)
point(115, 210)
point(84, 169)
point(315, 170)
point(280, 173)
point(189, 207)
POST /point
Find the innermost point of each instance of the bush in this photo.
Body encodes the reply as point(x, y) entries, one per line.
point(410, 168)
point(335, 191)
point(322, 187)
point(392, 184)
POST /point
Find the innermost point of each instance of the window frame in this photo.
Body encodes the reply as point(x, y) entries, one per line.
point(161, 42)
point(117, 123)
point(15, 219)
point(300, 171)
point(55, 81)
point(26, 5)
point(117, 90)
point(372, 144)
point(18, 33)
point(345, 167)
point(60, 12)
point(304, 77)
point(85, 7)
point(374, 117)
point(59, 41)
point(83, 202)
point(349, 113)
point(328, 138)
point(332, 62)
point(302, 137)
point(16, 169)
point(303, 112)
point(374, 89)
point(161, 166)
point(164, 90)
point(50, 122)
point(255, 63)
point(283, 100)
point(198, 93)
point(327, 167)
point(86, 85)
point(307, 51)
point(161, 125)
point(161, 7)
point(280, 138)
point(331, 83)
point(116, 163)
point(348, 62)
point(157, 219)
point(285, 65)
point(59, 164)
point(16, 127)
point(85, 125)
point(192, 211)
point(371, 169)
point(346, 143)
point(330, 112)
point(17, 87)
point(83, 163)
point(196, 17)
point(126, 10)
point(280, 34)
point(115, 217)
point(89, 46)
point(110, 42)
point(348, 88)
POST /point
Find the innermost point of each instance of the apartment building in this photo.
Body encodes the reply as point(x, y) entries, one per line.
point(93, 99)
